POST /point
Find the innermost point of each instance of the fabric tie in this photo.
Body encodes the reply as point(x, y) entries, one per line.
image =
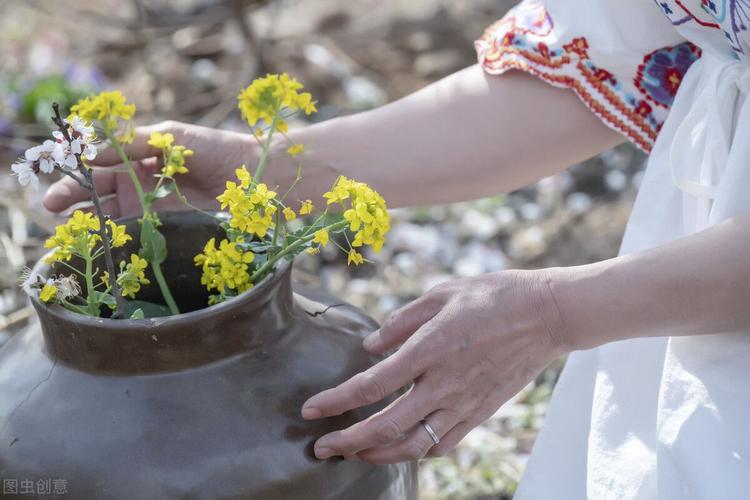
point(706, 132)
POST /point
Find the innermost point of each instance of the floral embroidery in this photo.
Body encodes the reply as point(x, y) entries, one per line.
point(730, 16)
point(635, 105)
point(734, 17)
point(661, 73)
point(678, 14)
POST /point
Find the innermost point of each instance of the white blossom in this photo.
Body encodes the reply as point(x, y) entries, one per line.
point(26, 174)
point(82, 142)
point(67, 287)
point(85, 132)
point(47, 155)
point(27, 280)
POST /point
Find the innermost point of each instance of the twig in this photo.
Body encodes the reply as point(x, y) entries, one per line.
point(103, 233)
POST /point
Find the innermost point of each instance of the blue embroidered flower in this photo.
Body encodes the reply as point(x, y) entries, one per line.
point(662, 71)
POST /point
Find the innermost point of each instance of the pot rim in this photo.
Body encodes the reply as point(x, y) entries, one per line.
point(56, 311)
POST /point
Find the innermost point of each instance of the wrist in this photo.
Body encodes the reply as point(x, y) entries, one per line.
point(541, 313)
point(597, 305)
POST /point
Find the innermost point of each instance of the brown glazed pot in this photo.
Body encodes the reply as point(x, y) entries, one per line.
point(202, 405)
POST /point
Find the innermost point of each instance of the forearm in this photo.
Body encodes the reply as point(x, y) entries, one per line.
point(467, 136)
point(697, 285)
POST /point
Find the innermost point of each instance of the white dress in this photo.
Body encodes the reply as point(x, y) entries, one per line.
point(664, 418)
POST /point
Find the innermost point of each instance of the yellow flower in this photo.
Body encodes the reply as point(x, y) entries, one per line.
point(313, 250)
point(106, 108)
point(244, 177)
point(266, 97)
point(367, 212)
point(105, 278)
point(174, 156)
point(296, 150)
point(306, 207)
point(76, 237)
point(132, 276)
point(225, 268)
point(48, 292)
point(355, 258)
point(289, 214)
point(261, 195)
point(175, 162)
point(321, 237)
point(161, 141)
point(118, 236)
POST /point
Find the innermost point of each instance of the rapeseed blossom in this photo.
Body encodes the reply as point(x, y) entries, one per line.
point(266, 97)
point(132, 275)
point(79, 235)
point(107, 108)
point(174, 156)
point(251, 205)
point(226, 268)
point(366, 211)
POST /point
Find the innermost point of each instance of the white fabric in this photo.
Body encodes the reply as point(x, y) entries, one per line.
point(665, 418)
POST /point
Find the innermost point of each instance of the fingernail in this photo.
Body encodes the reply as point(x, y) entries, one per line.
point(371, 339)
point(323, 453)
point(311, 413)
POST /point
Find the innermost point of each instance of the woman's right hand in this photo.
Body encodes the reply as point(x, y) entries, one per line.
point(217, 154)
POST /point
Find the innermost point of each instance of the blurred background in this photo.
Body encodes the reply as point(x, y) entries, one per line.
point(187, 59)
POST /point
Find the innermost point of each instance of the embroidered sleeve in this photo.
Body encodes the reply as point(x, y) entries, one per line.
point(623, 59)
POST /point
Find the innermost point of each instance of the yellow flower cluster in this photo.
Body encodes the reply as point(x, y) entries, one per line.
point(306, 207)
point(132, 276)
point(296, 150)
point(48, 292)
point(106, 108)
point(225, 268)
point(367, 213)
point(264, 99)
point(251, 205)
point(174, 156)
point(79, 236)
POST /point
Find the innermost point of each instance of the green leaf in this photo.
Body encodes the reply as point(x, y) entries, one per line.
point(163, 191)
point(137, 314)
point(147, 309)
point(153, 243)
point(105, 298)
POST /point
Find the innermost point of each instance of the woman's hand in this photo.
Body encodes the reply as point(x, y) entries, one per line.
point(467, 347)
point(217, 154)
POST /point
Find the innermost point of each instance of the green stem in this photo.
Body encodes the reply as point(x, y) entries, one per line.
point(70, 267)
point(156, 268)
point(277, 229)
point(297, 245)
point(266, 149)
point(184, 201)
point(91, 303)
point(75, 308)
point(131, 171)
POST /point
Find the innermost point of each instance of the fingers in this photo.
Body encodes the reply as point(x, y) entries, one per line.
point(451, 439)
point(367, 387)
point(139, 149)
point(402, 323)
point(386, 427)
point(417, 443)
point(66, 192)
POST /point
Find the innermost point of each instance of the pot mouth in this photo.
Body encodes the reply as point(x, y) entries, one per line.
point(189, 339)
point(58, 313)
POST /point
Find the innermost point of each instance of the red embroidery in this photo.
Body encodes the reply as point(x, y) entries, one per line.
point(503, 47)
point(696, 18)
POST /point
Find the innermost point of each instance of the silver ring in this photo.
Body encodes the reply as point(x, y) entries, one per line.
point(430, 431)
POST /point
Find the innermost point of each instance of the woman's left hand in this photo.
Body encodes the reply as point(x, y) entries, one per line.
point(466, 347)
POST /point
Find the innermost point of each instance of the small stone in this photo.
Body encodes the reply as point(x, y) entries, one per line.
point(579, 203)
